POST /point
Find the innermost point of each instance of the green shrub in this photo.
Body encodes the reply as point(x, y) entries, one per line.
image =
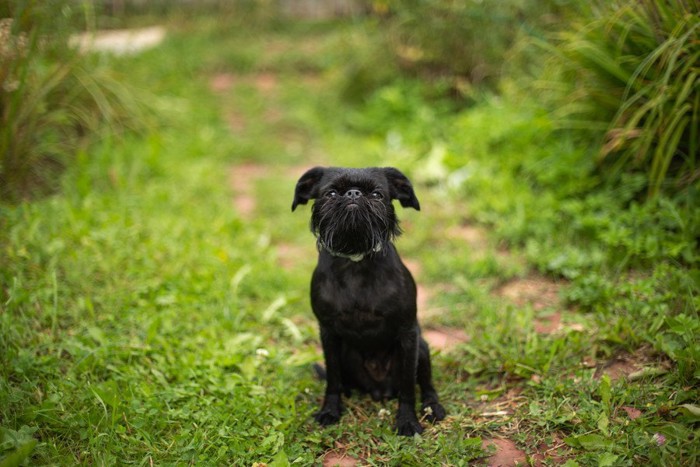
point(50, 96)
point(466, 42)
point(630, 70)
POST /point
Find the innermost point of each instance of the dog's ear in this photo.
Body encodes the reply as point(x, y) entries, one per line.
point(401, 188)
point(307, 186)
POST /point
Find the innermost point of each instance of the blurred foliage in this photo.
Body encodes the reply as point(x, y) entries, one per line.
point(461, 47)
point(625, 73)
point(51, 96)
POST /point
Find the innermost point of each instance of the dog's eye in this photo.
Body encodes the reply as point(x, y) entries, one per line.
point(331, 194)
point(377, 195)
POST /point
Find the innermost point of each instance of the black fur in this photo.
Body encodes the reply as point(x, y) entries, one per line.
point(363, 296)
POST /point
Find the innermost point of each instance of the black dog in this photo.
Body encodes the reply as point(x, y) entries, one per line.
point(362, 294)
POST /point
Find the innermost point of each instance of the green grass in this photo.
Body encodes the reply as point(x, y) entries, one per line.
point(145, 320)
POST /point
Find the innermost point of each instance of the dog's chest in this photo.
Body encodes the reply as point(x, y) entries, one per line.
point(360, 305)
point(358, 319)
point(359, 302)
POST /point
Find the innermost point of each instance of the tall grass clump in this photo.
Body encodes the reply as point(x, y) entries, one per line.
point(635, 70)
point(51, 96)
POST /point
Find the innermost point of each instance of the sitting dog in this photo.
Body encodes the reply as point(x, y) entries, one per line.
point(363, 296)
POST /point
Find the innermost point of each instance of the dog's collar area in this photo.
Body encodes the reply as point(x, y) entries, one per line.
point(354, 258)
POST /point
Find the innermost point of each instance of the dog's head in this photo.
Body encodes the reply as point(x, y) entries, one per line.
point(353, 214)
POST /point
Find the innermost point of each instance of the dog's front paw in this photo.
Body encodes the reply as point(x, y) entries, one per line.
point(434, 412)
point(326, 417)
point(407, 423)
point(408, 427)
point(330, 412)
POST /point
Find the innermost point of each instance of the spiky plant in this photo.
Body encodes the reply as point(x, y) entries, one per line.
point(635, 65)
point(51, 96)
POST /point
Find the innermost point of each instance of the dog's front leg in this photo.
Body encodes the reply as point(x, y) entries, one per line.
point(432, 408)
point(330, 411)
point(407, 423)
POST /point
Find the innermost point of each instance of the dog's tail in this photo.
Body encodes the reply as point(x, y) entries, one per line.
point(320, 371)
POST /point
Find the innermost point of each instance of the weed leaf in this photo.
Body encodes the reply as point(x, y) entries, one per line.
point(589, 442)
point(19, 455)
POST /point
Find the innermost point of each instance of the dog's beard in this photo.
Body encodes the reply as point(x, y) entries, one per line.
point(351, 230)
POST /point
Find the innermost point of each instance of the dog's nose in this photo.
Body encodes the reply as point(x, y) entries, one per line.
point(353, 193)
